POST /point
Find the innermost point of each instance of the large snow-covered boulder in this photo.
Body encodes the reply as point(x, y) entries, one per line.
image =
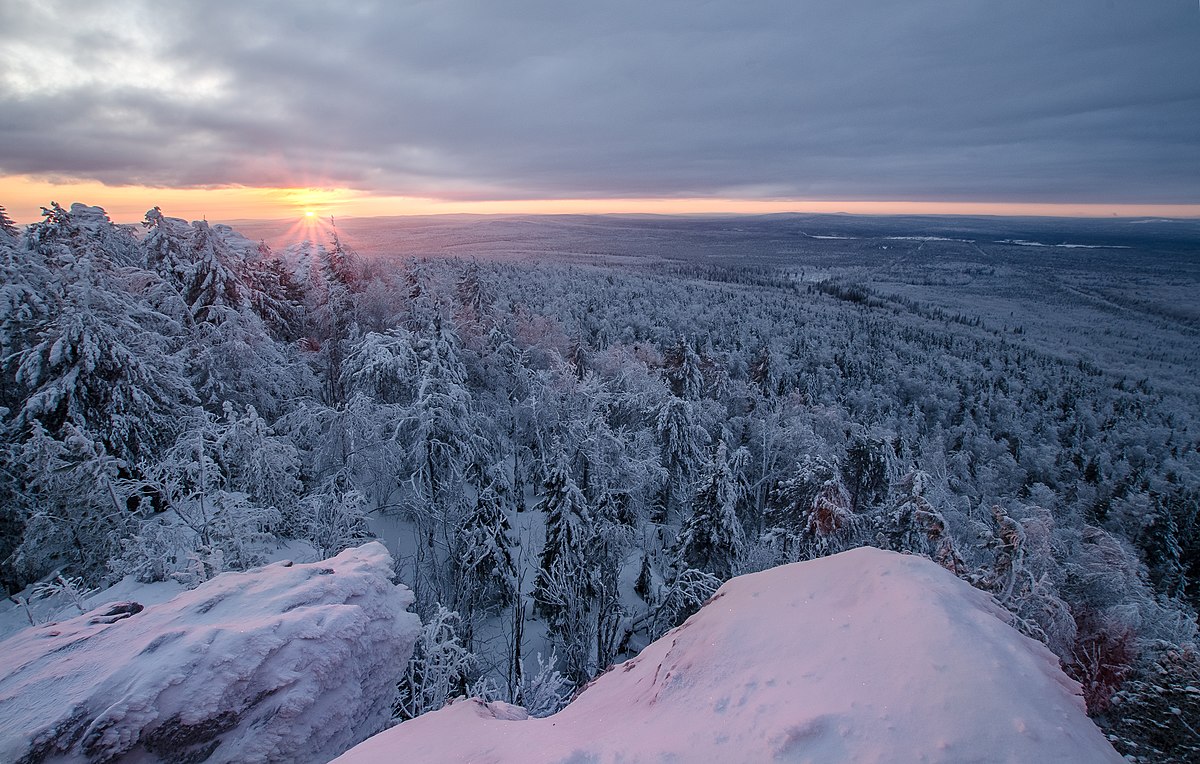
point(284, 663)
point(867, 656)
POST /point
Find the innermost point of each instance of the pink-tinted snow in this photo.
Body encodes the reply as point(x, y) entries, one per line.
point(866, 656)
point(285, 663)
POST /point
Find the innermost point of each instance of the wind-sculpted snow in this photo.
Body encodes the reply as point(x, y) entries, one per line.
point(284, 663)
point(866, 656)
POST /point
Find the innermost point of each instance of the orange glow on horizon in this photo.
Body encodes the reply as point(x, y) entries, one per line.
point(24, 196)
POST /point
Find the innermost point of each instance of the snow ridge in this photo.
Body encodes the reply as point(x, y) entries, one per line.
point(865, 656)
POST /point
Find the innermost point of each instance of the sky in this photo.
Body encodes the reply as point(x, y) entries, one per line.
point(260, 109)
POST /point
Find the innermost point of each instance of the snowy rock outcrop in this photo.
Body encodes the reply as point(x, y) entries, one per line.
point(284, 663)
point(866, 656)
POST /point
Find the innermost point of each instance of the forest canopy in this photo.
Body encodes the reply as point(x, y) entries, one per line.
point(569, 457)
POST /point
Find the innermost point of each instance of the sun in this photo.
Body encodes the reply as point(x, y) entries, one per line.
point(308, 226)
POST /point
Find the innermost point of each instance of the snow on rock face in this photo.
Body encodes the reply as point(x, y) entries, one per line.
point(866, 656)
point(285, 663)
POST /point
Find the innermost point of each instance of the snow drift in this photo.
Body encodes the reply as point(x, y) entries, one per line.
point(866, 656)
point(284, 663)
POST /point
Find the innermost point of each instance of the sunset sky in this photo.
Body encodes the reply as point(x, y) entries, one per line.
point(267, 109)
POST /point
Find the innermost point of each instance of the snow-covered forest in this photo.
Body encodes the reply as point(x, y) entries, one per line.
point(567, 455)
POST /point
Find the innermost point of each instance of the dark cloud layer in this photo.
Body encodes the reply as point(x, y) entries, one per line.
point(1072, 100)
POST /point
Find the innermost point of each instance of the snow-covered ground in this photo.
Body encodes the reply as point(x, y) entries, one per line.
point(289, 662)
point(866, 656)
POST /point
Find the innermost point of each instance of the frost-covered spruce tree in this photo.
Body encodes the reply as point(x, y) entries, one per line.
point(1162, 540)
point(421, 308)
point(167, 249)
point(385, 367)
point(235, 360)
point(98, 360)
point(99, 388)
point(230, 353)
point(439, 423)
point(488, 573)
point(1006, 539)
point(567, 520)
point(683, 443)
point(275, 295)
point(711, 539)
point(25, 302)
point(515, 407)
point(913, 524)
point(476, 298)
point(565, 587)
point(333, 286)
point(611, 536)
point(764, 371)
point(213, 287)
point(1152, 717)
point(86, 231)
point(868, 468)
point(810, 511)
point(440, 434)
point(596, 457)
point(365, 441)
point(200, 264)
point(682, 367)
point(68, 503)
point(7, 226)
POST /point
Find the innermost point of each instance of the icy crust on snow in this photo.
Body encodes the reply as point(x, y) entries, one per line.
point(283, 663)
point(866, 656)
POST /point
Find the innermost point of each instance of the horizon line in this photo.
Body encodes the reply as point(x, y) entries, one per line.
point(128, 204)
point(120, 216)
